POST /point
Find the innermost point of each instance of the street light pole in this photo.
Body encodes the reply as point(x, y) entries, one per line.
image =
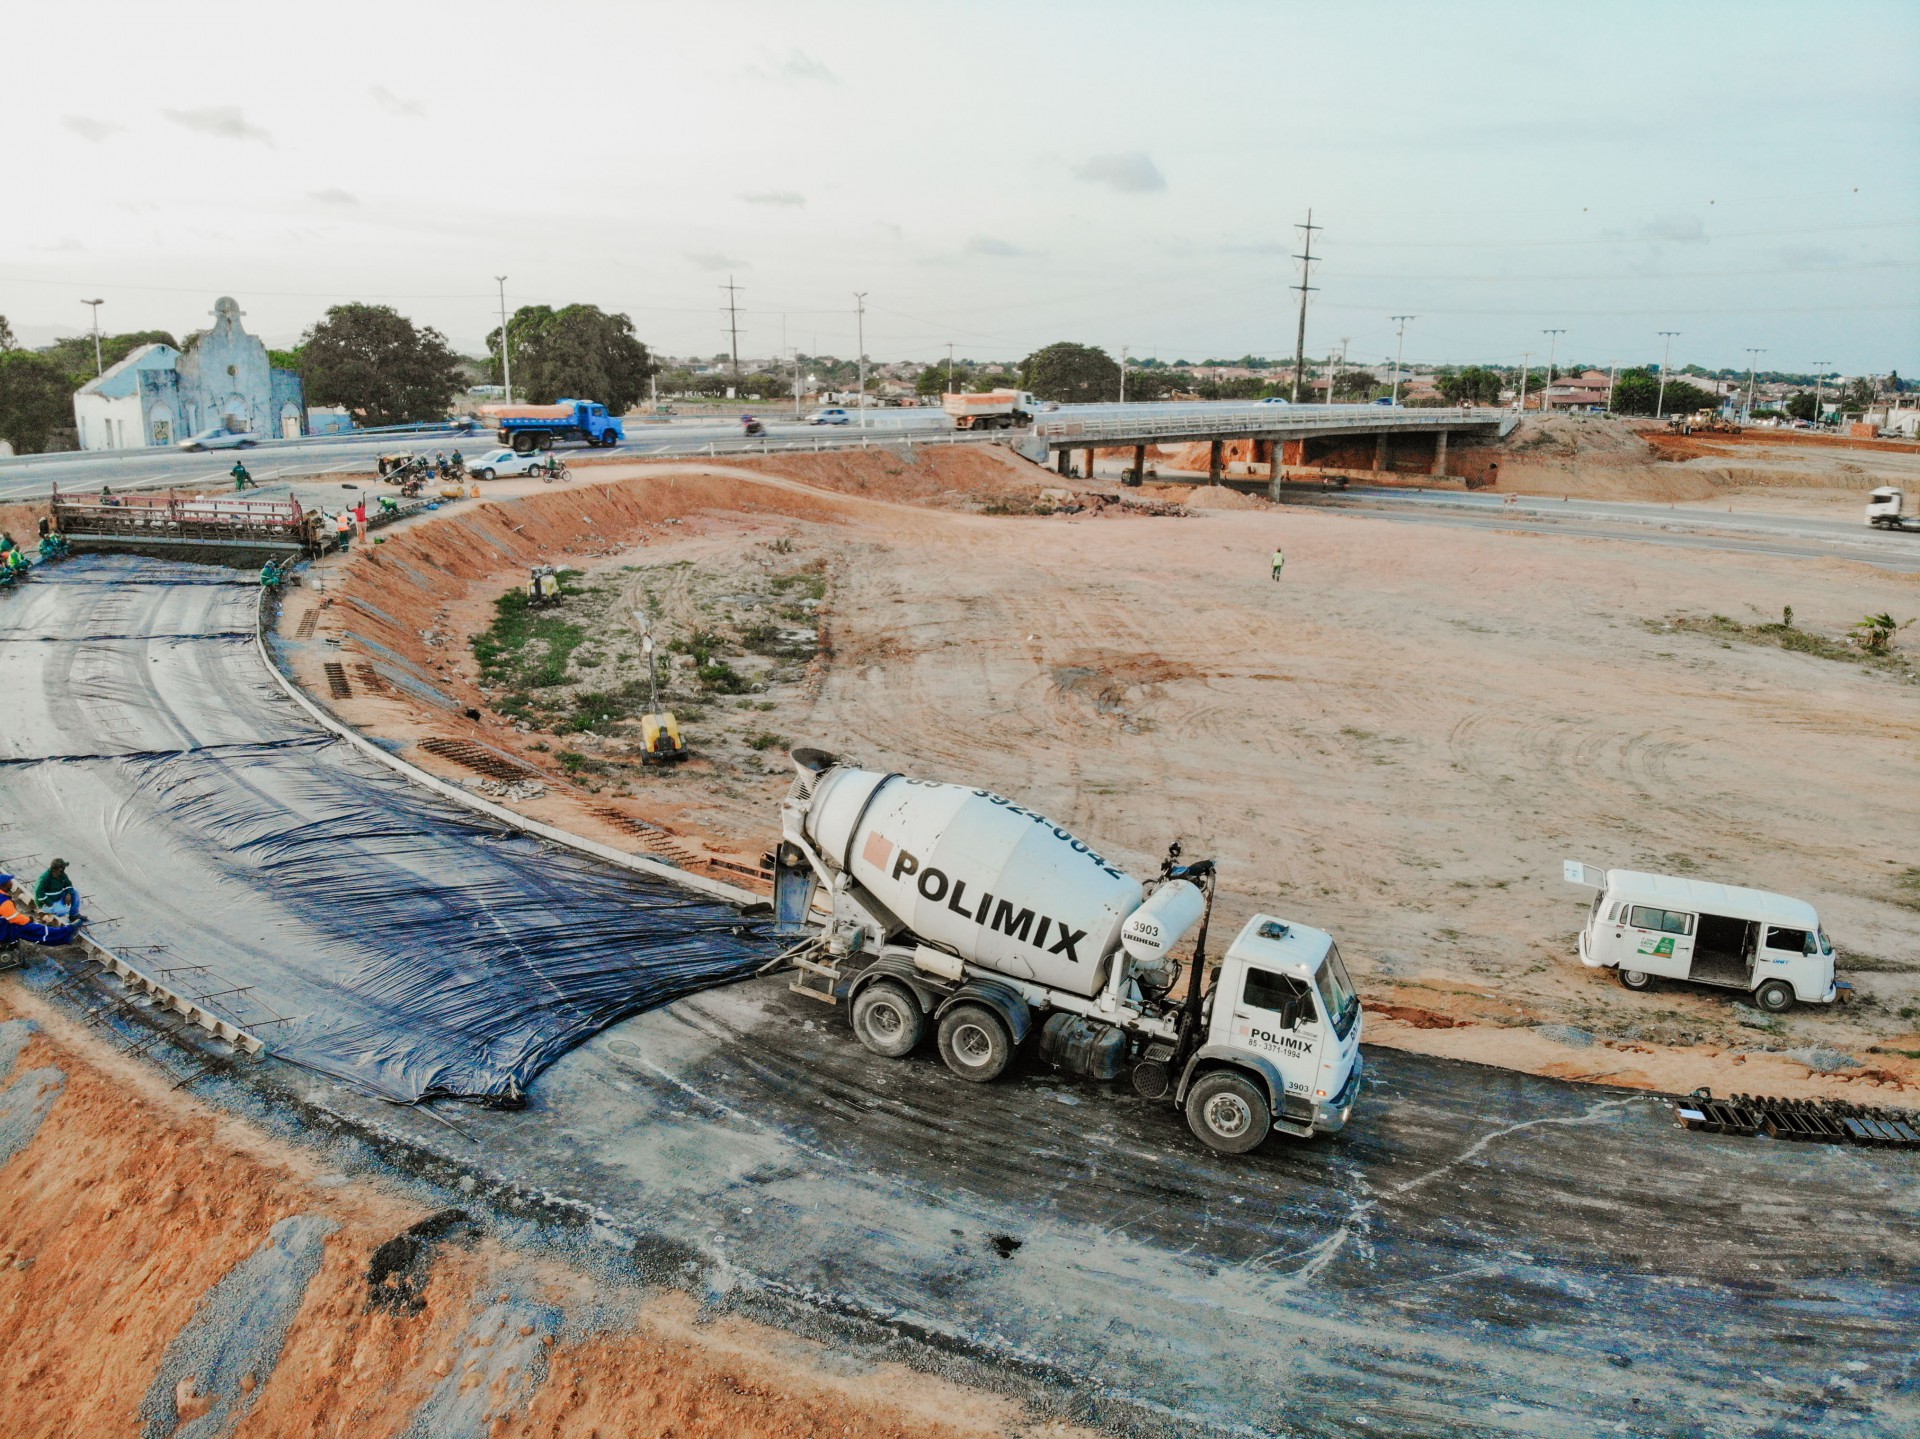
point(1123, 374)
point(1819, 374)
point(98, 368)
point(1525, 357)
point(1753, 367)
point(1546, 395)
point(860, 300)
point(949, 367)
point(1399, 351)
point(1666, 355)
point(506, 360)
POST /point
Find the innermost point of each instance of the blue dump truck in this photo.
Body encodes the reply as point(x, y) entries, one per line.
point(540, 427)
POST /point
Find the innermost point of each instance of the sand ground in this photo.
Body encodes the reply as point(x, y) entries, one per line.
point(1400, 741)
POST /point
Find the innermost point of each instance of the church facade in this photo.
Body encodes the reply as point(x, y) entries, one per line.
point(160, 396)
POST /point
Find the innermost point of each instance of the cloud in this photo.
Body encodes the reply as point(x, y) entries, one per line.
point(88, 128)
point(1676, 229)
point(799, 67)
point(223, 122)
point(708, 260)
point(775, 197)
point(333, 196)
point(394, 104)
point(1131, 173)
point(998, 249)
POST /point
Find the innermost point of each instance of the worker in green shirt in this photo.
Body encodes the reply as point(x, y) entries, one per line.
point(1279, 559)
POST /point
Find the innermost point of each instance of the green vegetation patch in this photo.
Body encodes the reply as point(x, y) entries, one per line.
point(1786, 637)
point(527, 648)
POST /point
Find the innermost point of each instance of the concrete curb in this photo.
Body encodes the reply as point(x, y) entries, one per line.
point(414, 775)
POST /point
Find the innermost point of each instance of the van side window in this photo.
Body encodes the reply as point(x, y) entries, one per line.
point(1662, 921)
point(1616, 914)
point(1794, 941)
point(1281, 993)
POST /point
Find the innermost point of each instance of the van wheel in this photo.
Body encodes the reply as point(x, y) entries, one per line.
point(1636, 979)
point(1228, 1113)
point(1775, 996)
point(975, 1044)
point(888, 1019)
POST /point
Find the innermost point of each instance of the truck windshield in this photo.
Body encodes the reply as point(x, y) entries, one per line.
point(1337, 994)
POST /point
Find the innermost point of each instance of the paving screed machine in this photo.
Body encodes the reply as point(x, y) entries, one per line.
point(939, 908)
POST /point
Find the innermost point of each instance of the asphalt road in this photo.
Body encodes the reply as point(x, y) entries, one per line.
point(1689, 527)
point(1480, 1253)
point(31, 477)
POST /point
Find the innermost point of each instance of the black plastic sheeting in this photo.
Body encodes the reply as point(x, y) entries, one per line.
point(413, 948)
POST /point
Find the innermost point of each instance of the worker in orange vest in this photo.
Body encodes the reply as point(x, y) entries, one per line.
point(17, 924)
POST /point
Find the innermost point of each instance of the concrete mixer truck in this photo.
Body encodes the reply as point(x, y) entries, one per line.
point(939, 909)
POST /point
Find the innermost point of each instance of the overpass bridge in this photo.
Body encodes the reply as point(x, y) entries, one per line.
point(1282, 434)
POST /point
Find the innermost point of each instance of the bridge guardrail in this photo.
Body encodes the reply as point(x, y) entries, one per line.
point(1060, 430)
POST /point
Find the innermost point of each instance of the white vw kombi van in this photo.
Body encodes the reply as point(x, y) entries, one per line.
point(1656, 925)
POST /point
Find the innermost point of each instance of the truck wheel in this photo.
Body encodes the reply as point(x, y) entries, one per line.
point(1636, 979)
point(1227, 1112)
point(975, 1044)
point(1776, 996)
point(888, 1019)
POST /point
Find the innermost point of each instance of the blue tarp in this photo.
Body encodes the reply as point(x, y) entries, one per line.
point(418, 950)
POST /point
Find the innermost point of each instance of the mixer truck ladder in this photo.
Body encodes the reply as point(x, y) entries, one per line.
point(816, 971)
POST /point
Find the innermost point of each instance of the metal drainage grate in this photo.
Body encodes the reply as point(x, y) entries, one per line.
point(370, 679)
point(1818, 1121)
point(337, 685)
point(480, 759)
point(307, 622)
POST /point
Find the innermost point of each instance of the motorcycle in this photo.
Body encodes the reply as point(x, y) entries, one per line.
point(752, 426)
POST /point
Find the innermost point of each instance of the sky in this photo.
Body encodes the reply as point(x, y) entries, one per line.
point(992, 176)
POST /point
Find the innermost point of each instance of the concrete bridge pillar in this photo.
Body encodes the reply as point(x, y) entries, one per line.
point(1440, 453)
point(1214, 461)
point(1089, 462)
point(1139, 463)
point(1380, 450)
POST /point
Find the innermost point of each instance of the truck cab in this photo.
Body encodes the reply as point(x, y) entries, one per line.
point(1886, 509)
point(1282, 1047)
point(1656, 926)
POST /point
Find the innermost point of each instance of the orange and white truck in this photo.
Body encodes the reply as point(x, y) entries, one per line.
point(994, 410)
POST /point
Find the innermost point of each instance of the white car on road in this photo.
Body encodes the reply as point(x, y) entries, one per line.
point(832, 415)
point(221, 438)
point(495, 463)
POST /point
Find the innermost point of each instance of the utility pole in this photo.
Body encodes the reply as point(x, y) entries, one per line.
point(1306, 275)
point(796, 382)
point(1753, 363)
point(1612, 371)
point(949, 367)
point(1546, 395)
point(1819, 374)
point(1525, 357)
point(1123, 374)
point(506, 363)
point(1333, 367)
point(98, 368)
point(1660, 401)
point(733, 329)
point(860, 300)
point(1399, 351)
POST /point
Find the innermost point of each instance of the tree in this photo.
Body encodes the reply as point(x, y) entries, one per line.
point(373, 360)
point(6, 336)
point(1475, 384)
point(1072, 373)
point(36, 400)
point(1860, 394)
point(579, 352)
point(74, 353)
point(1152, 384)
point(285, 359)
point(1802, 406)
point(1635, 392)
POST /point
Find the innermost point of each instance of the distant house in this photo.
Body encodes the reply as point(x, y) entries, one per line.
point(159, 395)
point(1579, 392)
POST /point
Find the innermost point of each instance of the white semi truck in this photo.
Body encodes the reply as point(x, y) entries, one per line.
point(1887, 510)
point(936, 907)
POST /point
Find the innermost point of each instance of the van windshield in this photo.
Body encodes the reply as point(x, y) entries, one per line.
point(1337, 995)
